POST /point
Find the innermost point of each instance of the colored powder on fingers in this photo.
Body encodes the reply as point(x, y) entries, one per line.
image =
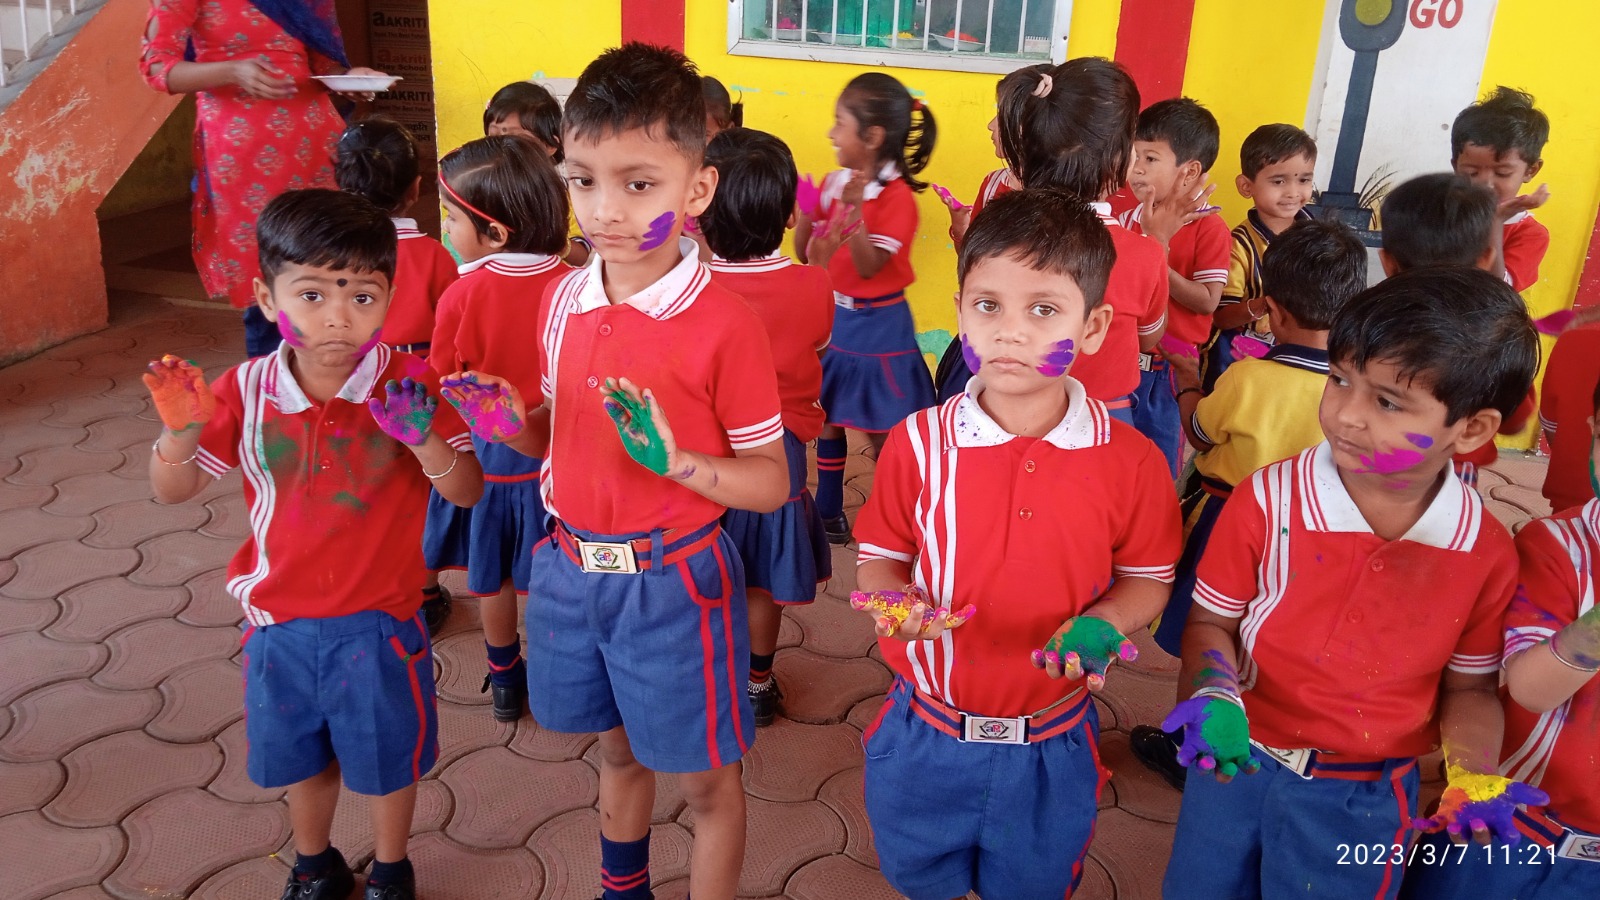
point(974, 361)
point(1057, 359)
point(292, 336)
point(660, 229)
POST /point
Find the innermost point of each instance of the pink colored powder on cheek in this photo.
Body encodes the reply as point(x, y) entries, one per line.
point(1057, 359)
point(370, 342)
point(292, 336)
point(1388, 462)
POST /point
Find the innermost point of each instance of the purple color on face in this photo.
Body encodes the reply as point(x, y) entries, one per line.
point(660, 229)
point(291, 335)
point(370, 342)
point(974, 361)
point(1419, 440)
point(1058, 359)
point(1387, 462)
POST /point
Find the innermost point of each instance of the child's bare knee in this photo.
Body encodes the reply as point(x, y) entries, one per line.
point(706, 790)
point(615, 752)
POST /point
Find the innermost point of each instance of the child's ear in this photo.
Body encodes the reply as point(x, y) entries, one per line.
point(873, 137)
point(702, 187)
point(263, 296)
point(1479, 429)
point(412, 193)
point(1392, 268)
point(1533, 170)
point(498, 236)
point(1244, 186)
point(1485, 260)
point(793, 220)
point(1276, 313)
point(1095, 328)
point(1190, 172)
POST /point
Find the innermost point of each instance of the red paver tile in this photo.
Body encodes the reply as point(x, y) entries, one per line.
point(233, 782)
point(502, 797)
point(228, 518)
point(781, 838)
point(790, 634)
point(1139, 790)
point(25, 616)
point(790, 761)
point(1523, 496)
point(26, 786)
point(110, 777)
point(198, 701)
point(467, 729)
point(1108, 717)
point(1138, 698)
point(210, 604)
point(56, 859)
point(24, 434)
point(23, 527)
point(55, 461)
point(176, 558)
point(90, 892)
point(844, 795)
point(131, 523)
point(179, 839)
point(832, 628)
point(90, 405)
point(45, 572)
point(677, 889)
point(7, 570)
point(541, 743)
point(20, 496)
point(1134, 852)
point(81, 495)
point(669, 804)
point(252, 879)
point(145, 653)
point(95, 611)
point(821, 689)
point(1096, 883)
point(461, 668)
point(835, 877)
point(119, 433)
point(54, 719)
point(568, 846)
point(448, 871)
point(352, 821)
point(33, 660)
point(863, 713)
point(1152, 659)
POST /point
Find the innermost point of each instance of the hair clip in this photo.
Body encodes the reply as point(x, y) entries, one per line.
point(469, 207)
point(1043, 88)
point(916, 105)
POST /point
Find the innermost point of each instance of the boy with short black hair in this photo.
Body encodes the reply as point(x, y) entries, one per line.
point(1499, 142)
point(1173, 150)
point(636, 621)
point(339, 437)
point(1441, 219)
point(1277, 170)
point(1349, 610)
point(1078, 556)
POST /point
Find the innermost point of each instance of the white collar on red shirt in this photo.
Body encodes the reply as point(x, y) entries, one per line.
point(285, 392)
point(1085, 424)
point(405, 228)
point(833, 188)
point(1519, 217)
point(1103, 210)
point(675, 292)
point(1450, 522)
point(518, 264)
point(771, 263)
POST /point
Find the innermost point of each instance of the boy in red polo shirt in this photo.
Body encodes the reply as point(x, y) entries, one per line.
point(1057, 525)
point(339, 437)
point(1499, 142)
point(1350, 604)
point(636, 623)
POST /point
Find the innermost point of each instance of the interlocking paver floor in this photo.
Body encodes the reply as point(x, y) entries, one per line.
point(121, 742)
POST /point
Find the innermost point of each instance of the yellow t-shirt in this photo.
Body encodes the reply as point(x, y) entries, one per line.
point(1261, 411)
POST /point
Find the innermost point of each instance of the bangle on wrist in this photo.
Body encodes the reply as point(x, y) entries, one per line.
point(1254, 316)
point(156, 449)
point(455, 455)
point(1567, 662)
point(1220, 693)
point(1187, 390)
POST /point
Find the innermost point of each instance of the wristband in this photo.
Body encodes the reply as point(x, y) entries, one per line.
point(1187, 390)
point(1559, 658)
point(156, 449)
point(454, 456)
point(1219, 693)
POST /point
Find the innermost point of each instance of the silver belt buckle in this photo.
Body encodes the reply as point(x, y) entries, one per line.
point(843, 301)
point(1296, 761)
point(598, 556)
point(994, 730)
point(1580, 846)
point(1147, 362)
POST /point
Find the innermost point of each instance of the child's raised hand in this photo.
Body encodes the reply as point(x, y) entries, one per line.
point(1482, 805)
point(643, 428)
point(1522, 203)
point(855, 189)
point(1084, 646)
point(910, 615)
point(179, 390)
point(807, 197)
point(1216, 736)
point(490, 405)
point(405, 413)
point(1163, 220)
point(1185, 366)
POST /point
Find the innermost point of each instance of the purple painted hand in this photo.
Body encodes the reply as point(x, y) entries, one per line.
point(1484, 805)
point(1216, 736)
point(406, 412)
point(488, 409)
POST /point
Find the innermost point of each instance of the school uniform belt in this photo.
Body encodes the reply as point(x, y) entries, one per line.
point(1309, 764)
point(872, 302)
point(1123, 402)
point(415, 347)
point(625, 556)
point(1216, 487)
point(1548, 831)
point(1147, 362)
point(1043, 725)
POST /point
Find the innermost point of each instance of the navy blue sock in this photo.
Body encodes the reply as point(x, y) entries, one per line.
point(830, 476)
point(505, 663)
point(314, 864)
point(625, 869)
point(391, 873)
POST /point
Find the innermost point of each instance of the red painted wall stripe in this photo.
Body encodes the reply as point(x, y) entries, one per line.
point(1153, 44)
point(1589, 281)
point(653, 22)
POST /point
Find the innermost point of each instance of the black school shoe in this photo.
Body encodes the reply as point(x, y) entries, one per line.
point(764, 699)
point(837, 530)
point(510, 700)
point(334, 884)
point(399, 890)
point(1159, 753)
point(435, 609)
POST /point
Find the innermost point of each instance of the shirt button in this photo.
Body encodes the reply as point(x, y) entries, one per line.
point(1377, 565)
point(1025, 513)
point(1354, 616)
point(593, 382)
point(1029, 466)
point(605, 330)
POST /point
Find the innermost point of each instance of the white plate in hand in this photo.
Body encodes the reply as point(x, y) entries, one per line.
point(358, 83)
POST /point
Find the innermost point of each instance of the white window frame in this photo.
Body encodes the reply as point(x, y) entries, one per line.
point(939, 60)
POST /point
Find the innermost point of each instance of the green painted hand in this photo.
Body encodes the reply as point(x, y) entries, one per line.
point(1216, 736)
point(1085, 646)
point(637, 428)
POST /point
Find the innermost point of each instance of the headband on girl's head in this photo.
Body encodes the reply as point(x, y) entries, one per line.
point(470, 208)
point(1043, 88)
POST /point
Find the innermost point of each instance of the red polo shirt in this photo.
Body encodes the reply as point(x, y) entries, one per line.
point(1137, 293)
point(795, 304)
point(696, 346)
point(1523, 245)
point(336, 506)
point(1031, 531)
point(499, 298)
point(423, 268)
point(1345, 636)
point(889, 214)
point(1569, 381)
point(1199, 252)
